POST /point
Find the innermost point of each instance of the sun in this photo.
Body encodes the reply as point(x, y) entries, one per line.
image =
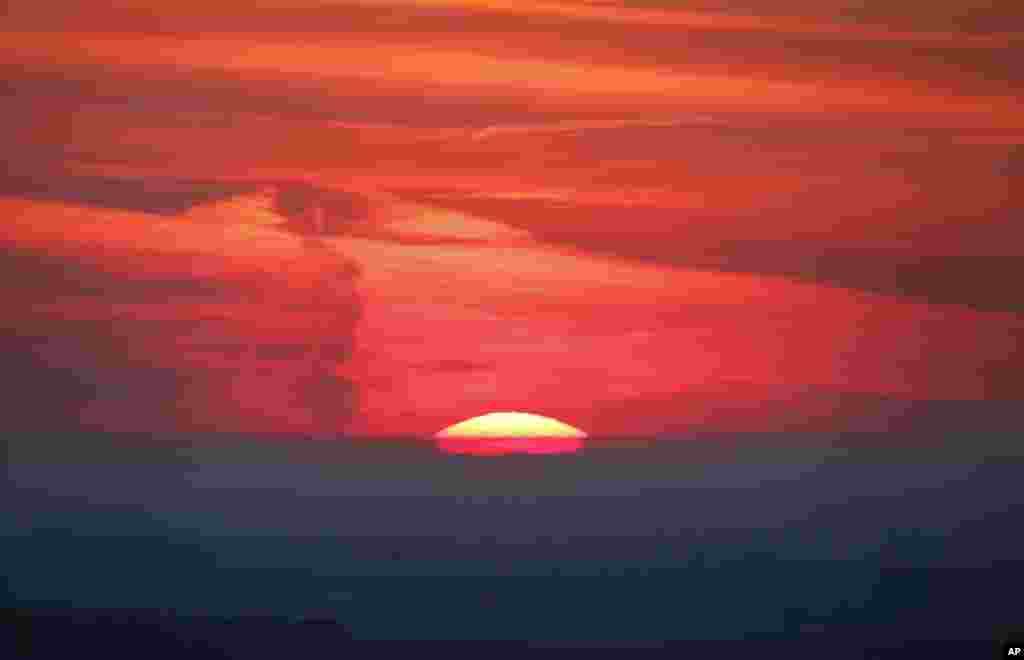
point(510, 433)
point(511, 425)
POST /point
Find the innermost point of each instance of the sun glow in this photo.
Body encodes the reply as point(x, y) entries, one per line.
point(511, 425)
point(510, 433)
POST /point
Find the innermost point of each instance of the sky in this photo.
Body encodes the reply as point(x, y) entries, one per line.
point(642, 216)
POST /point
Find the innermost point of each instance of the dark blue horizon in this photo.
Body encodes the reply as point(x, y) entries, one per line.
point(776, 538)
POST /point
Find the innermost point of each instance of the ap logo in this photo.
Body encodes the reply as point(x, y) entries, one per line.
point(1013, 652)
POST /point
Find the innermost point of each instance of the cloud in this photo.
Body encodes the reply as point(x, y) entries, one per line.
point(148, 334)
point(962, 20)
point(150, 195)
point(580, 126)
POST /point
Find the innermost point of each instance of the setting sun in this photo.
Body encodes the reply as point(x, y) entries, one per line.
point(510, 432)
point(511, 425)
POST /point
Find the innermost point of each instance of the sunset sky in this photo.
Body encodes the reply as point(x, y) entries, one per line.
point(637, 216)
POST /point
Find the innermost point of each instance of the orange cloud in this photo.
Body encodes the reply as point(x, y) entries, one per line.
point(461, 72)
